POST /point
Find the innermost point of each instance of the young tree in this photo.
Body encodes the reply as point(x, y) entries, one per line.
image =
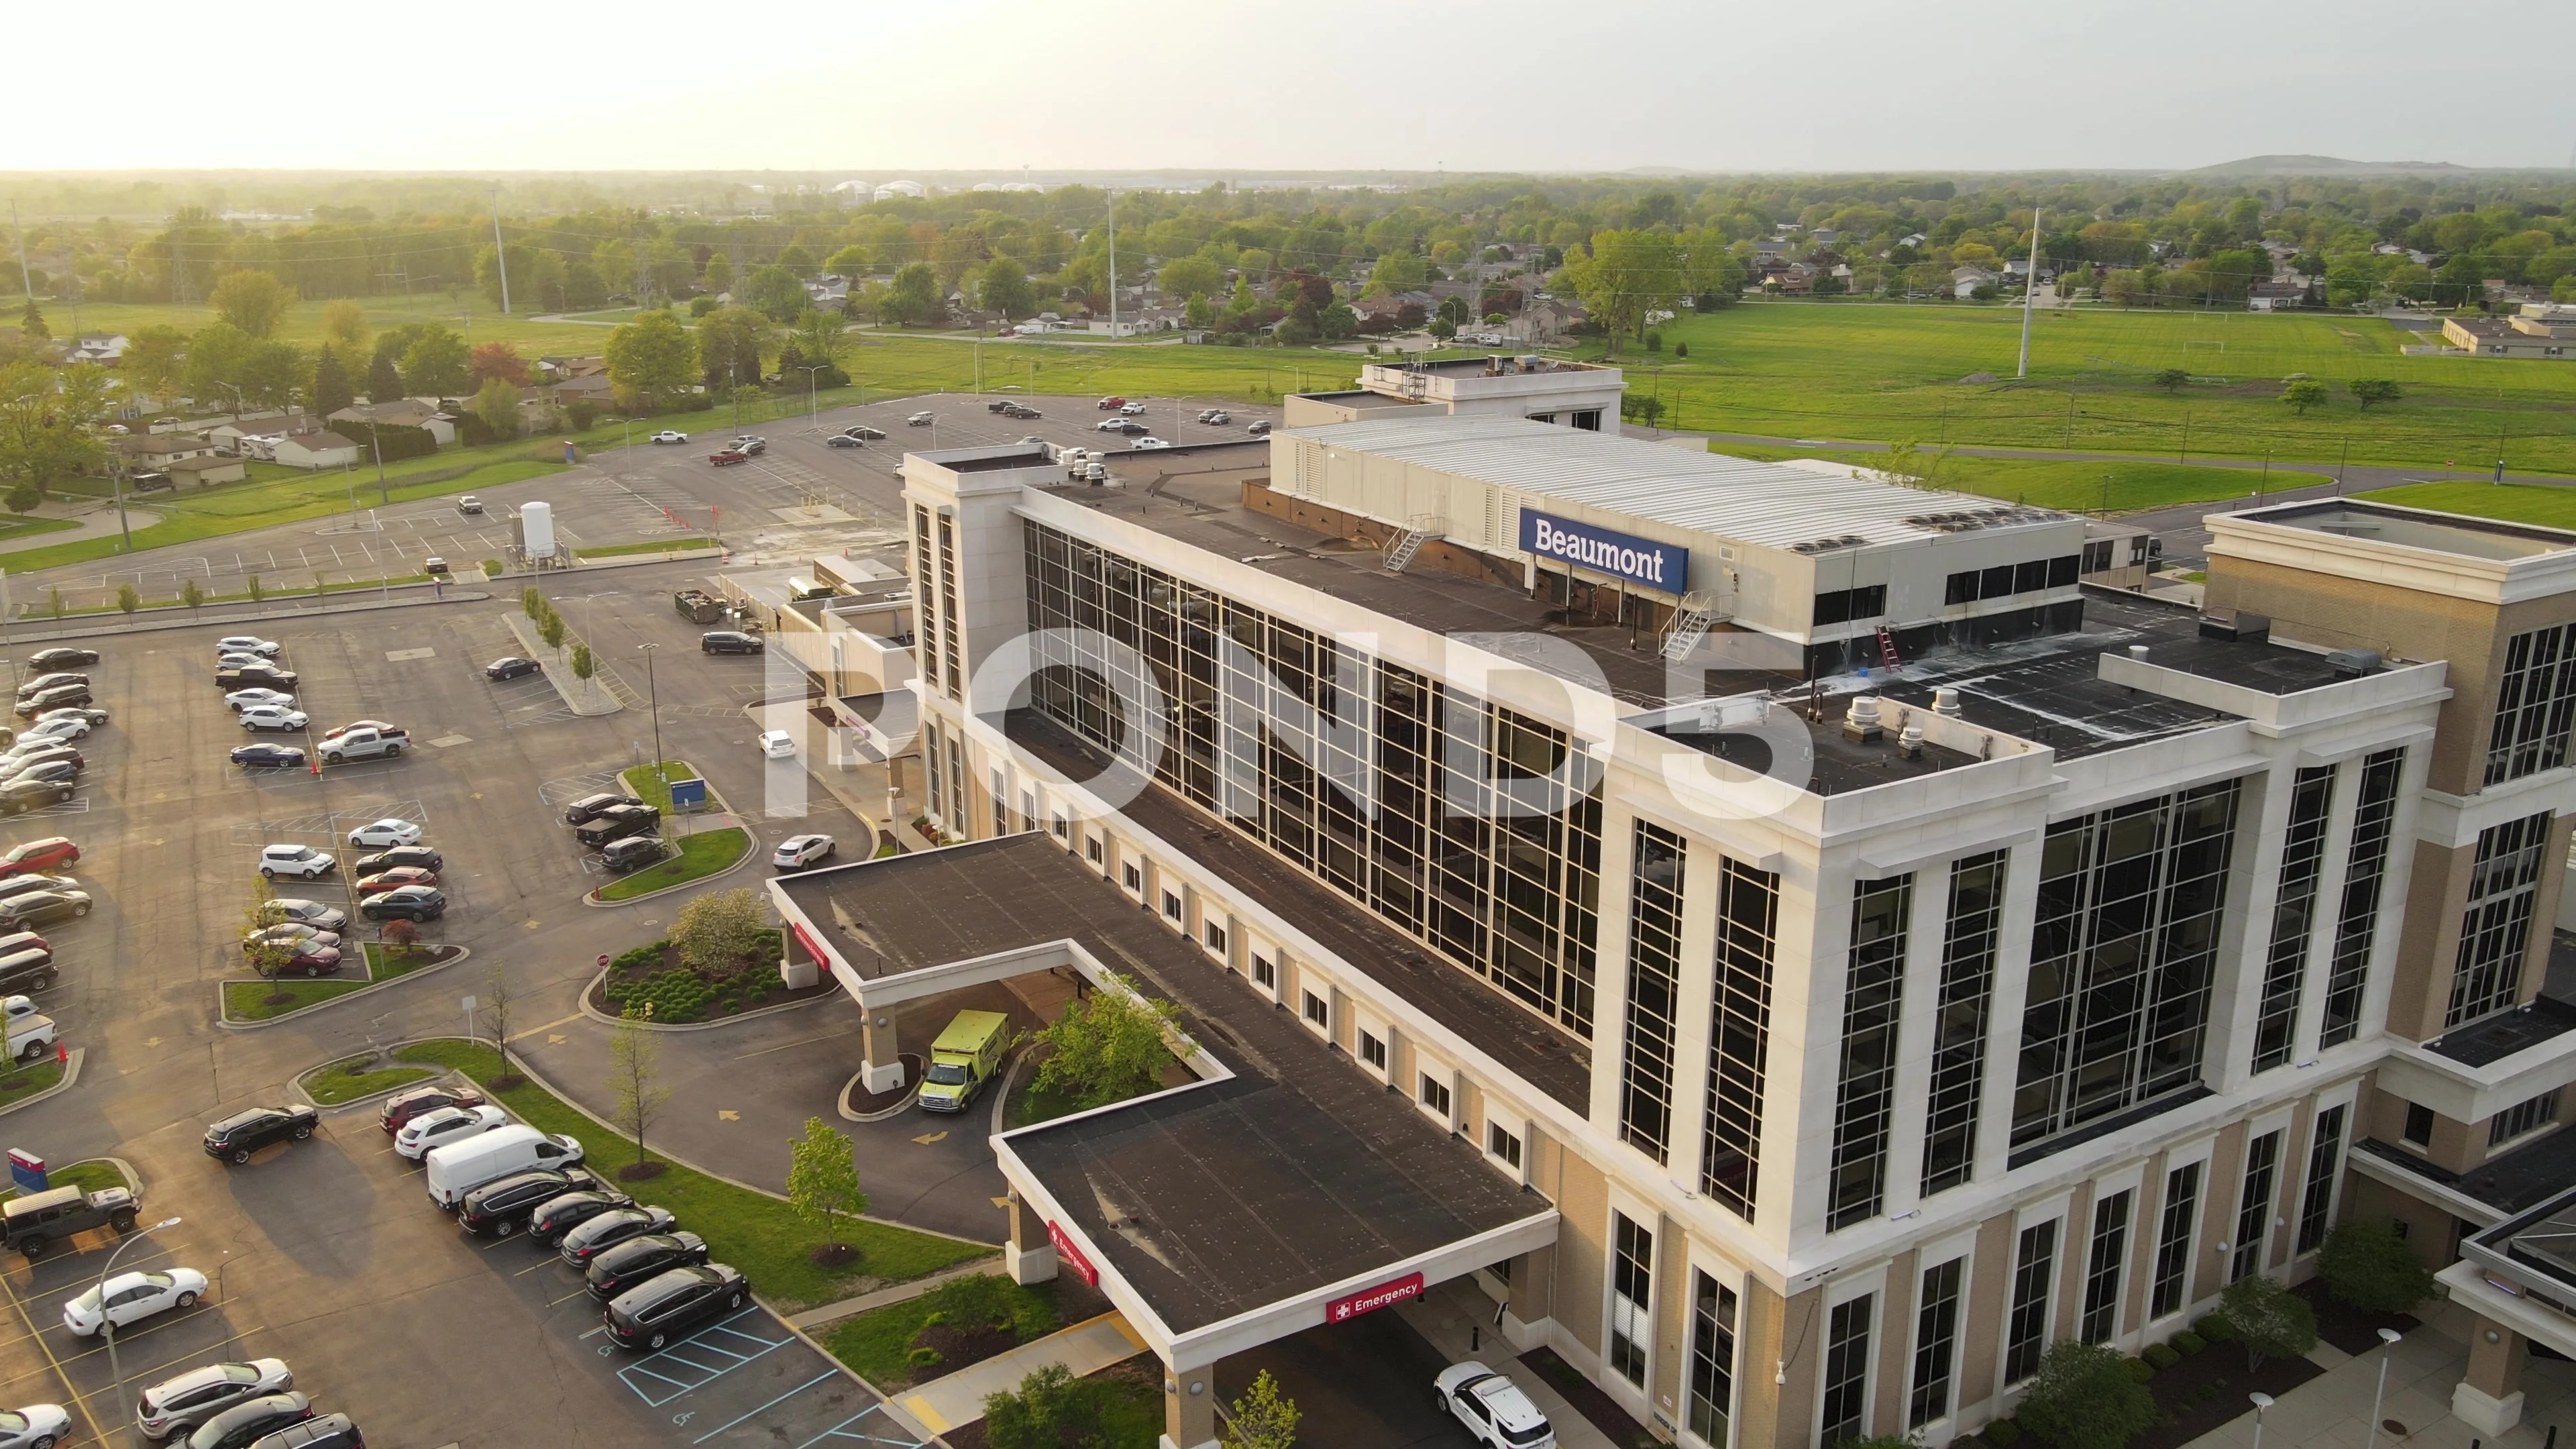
point(2272, 1321)
point(716, 930)
point(2172, 378)
point(331, 390)
point(496, 1004)
point(434, 364)
point(2303, 395)
point(54, 601)
point(496, 404)
point(344, 327)
point(823, 1184)
point(2367, 1265)
point(31, 320)
point(1264, 1418)
point(496, 359)
point(583, 665)
point(635, 1081)
point(191, 595)
point(128, 600)
point(2369, 391)
point(155, 359)
point(1050, 1408)
point(24, 495)
point(255, 302)
point(819, 336)
point(265, 956)
point(384, 379)
point(532, 602)
point(650, 359)
point(1108, 1046)
point(551, 629)
point(252, 585)
point(2083, 1397)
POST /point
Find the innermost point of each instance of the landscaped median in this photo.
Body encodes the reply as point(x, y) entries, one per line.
point(267, 999)
point(754, 1231)
point(696, 856)
point(354, 1079)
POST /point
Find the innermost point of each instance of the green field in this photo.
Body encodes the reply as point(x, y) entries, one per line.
point(2550, 507)
point(2074, 485)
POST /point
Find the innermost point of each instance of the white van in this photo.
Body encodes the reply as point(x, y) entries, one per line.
point(460, 1167)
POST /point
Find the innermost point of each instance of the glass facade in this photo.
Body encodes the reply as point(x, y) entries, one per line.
point(1960, 1020)
point(1739, 1039)
point(2325, 1159)
point(1936, 1343)
point(2535, 705)
point(1654, 989)
point(2123, 953)
point(2026, 1325)
point(1632, 1298)
point(1865, 1095)
point(2374, 824)
point(1712, 1365)
point(2173, 1241)
point(1472, 828)
point(1846, 1405)
point(2254, 1207)
point(2102, 1260)
point(2294, 912)
point(2495, 931)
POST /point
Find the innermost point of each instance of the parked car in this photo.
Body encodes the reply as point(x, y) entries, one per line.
point(777, 745)
point(304, 912)
point(397, 858)
point(312, 958)
point(728, 641)
point(559, 1215)
point(91, 714)
point(395, 879)
point(268, 757)
point(336, 731)
point(1131, 410)
point(57, 725)
point(590, 807)
point(750, 446)
point(1149, 442)
point(1111, 404)
point(301, 861)
point(921, 420)
point(15, 886)
point(37, 1426)
point(238, 1136)
point(43, 682)
point(408, 903)
point(727, 457)
point(616, 823)
point(632, 853)
point(271, 717)
point(54, 852)
point(267, 676)
point(248, 644)
point(252, 1420)
point(600, 1232)
point(499, 1208)
point(1022, 411)
point(55, 698)
point(245, 698)
point(842, 440)
point(1494, 1410)
point(19, 796)
point(863, 433)
point(799, 851)
point(510, 667)
point(322, 1431)
point(199, 1394)
point(35, 1221)
point(388, 831)
point(131, 1298)
point(669, 435)
point(402, 1107)
point(42, 908)
point(470, 504)
point(673, 1304)
point(433, 565)
point(365, 742)
point(61, 657)
point(27, 968)
point(640, 1260)
point(44, 753)
point(447, 1124)
point(1112, 425)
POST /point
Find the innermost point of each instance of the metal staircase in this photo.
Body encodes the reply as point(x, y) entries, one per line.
point(1690, 624)
point(1401, 547)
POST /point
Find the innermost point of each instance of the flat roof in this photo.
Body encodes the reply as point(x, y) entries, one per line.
point(2451, 533)
point(1766, 504)
point(1298, 1173)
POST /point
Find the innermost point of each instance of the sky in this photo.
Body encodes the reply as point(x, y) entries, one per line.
point(875, 89)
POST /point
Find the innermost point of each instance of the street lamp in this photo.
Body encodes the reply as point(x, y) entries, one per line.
point(812, 371)
point(2261, 1402)
point(654, 690)
point(107, 1322)
point(2388, 1338)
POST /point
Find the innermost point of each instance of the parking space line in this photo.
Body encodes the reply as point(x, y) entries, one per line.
point(841, 1431)
point(59, 1372)
point(204, 1305)
point(548, 1261)
point(583, 1292)
point(765, 1408)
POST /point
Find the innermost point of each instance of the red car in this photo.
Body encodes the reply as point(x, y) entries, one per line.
point(727, 457)
point(314, 961)
point(51, 853)
point(404, 1106)
point(401, 875)
point(1108, 403)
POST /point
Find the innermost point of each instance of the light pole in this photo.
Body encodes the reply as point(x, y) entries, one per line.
point(654, 691)
point(2388, 1339)
point(107, 1323)
point(812, 372)
point(2260, 1402)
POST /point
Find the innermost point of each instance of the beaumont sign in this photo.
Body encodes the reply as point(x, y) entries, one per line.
point(1622, 555)
point(1071, 1256)
point(1369, 1300)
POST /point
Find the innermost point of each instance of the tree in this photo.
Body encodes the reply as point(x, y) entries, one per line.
point(330, 389)
point(649, 359)
point(2369, 391)
point(2272, 1321)
point(1627, 275)
point(384, 379)
point(823, 1184)
point(1050, 1408)
point(155, 359)
point(191, 595)
point(1107, 1046)
point(272, 374)
point(635, 1081)
point(731, 341)
point(217, 357)
point(532, 602)
point(850, 261)
point(496, 359)
point(46, 422)
point(1264, 1418)
point(252, 586)
point(774, 292)
point(497, 404)
point(2083, 1397)
point(2303, 395)
point(1006, 289)
point(718, 277)
point(915, 295)
point(23, 497)
point(496, 1002)
point(31, 320)
point(2364, 1263)
point(255, 302)
point(344, 326)
point(1189, 276)
point(820, 338)
point(717, 930)
point(551, 628)
point(2172, 378)
point(265, 955)
point(583, 665)
point(128, 600)
point(434, 364)
point(798, 261)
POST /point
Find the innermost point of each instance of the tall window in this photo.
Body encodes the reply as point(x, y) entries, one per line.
point(1712, 1370)
point(2173, 1240)
point(1846, 1406)
point(2026, 1327)
point(2495, 931)
point(2102, 1262)
point(1936, 1342)
point(924, 605)
point(2254, 1207)
point(2535, 705)
point(1632, 1298)
point(1960, 1020)
point(2122, 958)
point(2325, 1159)
point(2294, 912)
point(1748, 910)
point(930, 758)
point(948, 603)
point(2374, 821)
point(1654, 984)
point(1865, 1099)
point(2522, 1118)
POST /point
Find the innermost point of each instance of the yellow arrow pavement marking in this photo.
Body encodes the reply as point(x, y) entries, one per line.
point(557, 1039)
point(725, 1116)
point(544, 1026)
point(928, 1138)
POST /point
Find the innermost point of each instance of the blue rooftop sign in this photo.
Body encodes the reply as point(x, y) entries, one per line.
point(1603, 551)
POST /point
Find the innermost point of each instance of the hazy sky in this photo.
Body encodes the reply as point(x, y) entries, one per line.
point(875, 89)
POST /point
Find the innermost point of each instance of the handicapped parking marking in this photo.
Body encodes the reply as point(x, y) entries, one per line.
point(711, 1353)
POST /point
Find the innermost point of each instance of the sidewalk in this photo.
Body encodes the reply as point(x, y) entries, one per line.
point(1457, 1314)
point(1085, 1348)
point(2332, 1411)
point(96, 522)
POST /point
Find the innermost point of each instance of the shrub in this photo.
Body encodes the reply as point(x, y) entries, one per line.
point(923, 1357)
point(1681, 349)
point(2140, 1369)
point(2214, 1327)
point(2187, 1343)
point(2084, 1397)
point(2270, 1320)
point(720, 928)
point(665, 996)
point(491, 568)
point(648, 954)
point(2002, 1433)
point(2161, 1355)
point(2364, 1263)
point(582, 413)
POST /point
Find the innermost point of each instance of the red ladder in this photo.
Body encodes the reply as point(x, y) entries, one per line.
point(1887, 649)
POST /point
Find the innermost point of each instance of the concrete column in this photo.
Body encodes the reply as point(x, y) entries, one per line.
point(1189, 1407)
point(881, 1050)
point(2489, 1400)
point(1030, 1254)
point(797, 967)
point(1526, 1308)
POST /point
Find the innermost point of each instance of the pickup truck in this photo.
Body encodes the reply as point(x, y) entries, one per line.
point(31, 1032)
point(697, 606)
point(365, 744)
point(37, 1220)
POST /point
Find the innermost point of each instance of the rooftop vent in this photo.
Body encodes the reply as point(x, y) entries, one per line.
point(1828, 545)
point(2354, 663)
point(1861, 721)
point(2242, 627)
point(1945, 700)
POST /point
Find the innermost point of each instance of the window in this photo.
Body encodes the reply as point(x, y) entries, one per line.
point(1063, 828)
point(1028, 810)
point(1588, 419)
point(1316, 1010)
point(1632, 1296)
point(1215, 937)
point(957, 783)
point(1846, 1406)
point(2419, 1124)
point(1435, 1095)
point(1712, 1366)
point(2495, 931)
point(2102, 1268)
point(2097, 556)
point(1936, 1341)
point(2122, 956)
point(2026, 1329)
point(1654, 984)
point(948, 605)
point(1091, 849)
point(2374, 821)
point(1866, 602)
point(1748, 909)
point(922, 575)
point(2535, 705)
point(1502, 1144)
point(2173, 1240)
point(2254, 1207)
point(1959, 1020)
point(2031, 577)
point(2005, 580)
point(2303, 851)
point(1135, 877)
point(930, 757)
point(1001, 806)
point(2325, 1162)
point(2523, 1118)
point(1373, 1050)
point(1865, 1097)
point(1171, 905)
point(1264, 974)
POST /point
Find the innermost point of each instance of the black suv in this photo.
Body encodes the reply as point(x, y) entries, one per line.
point(409, 903)
point(587, 808)
point(561, 1214)
point(246, 675)
point(46, 660)
point(496, 1208)
point(39, 1219)
point(250, 1421)
point(28, 969)
point(727, 641)
point(19, 796)
point(236, 1137)
point(671, 1305)
point(641, 1260)
point(61, 696)
point(616, 823)
point(395, 859)
point(622, 856)
point(326, 1431)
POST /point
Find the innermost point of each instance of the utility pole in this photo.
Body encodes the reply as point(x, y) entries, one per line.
point(501, 258)
point(116, 481)
point(2029, 290)
point(1113, 266)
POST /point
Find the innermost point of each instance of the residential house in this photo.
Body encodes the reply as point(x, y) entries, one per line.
point(828, 290)
point(2275, 297)
point(1824, 236)
point(229, 435)
point(1913, 239)
point(107, 348)
point(1544, 322)
point(556, 369)
point(314, 450)
point(404, 412)
point(160, 450)
point(1964, 281)
point(592, 387)
point(1797, 279)
point(206, 471)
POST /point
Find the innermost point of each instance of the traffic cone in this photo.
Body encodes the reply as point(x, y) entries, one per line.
point(62, 1054)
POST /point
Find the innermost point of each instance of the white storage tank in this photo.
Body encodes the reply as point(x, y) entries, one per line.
point(537, 530)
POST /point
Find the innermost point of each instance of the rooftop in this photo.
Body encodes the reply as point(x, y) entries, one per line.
point(2450, 533)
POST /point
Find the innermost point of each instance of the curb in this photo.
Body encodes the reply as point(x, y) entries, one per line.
point(888, 1297)
point(604, 1019)
point(897, 1110)
point(295, 1084)
point(71, 1074)
point(525, 631)
point(751, 848)
point(100, 625)
point(227, 1023)
point(638, 560)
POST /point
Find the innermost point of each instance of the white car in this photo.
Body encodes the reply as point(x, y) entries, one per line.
point(131, 1298)
point(1497, 1414)
point(778, 744)
point(301, 861)
point(667, 435)
point(271, 717)
point(70, 728)
point(447, 1124)
point(201, 1393)
point(245, 698)
point(238, 659)
point(1132, 410)
point(247, 644)
point(1149, 442)
point(28, 744)
point(799, 851)
point(37, 1426)
point(1114, 425)
point(920, 420)
point(386, 832)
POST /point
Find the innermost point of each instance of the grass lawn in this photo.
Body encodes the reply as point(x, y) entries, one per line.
point(701, 855)
point(20, 1083)
point(754, 1232)
point(651, 785)
point(2513, 503)
point(88, 1176)
point(2075, 486)
point(650, 545)
point(30, 526)
point(878, 1345)
point(343, 1081)
point(384, 964)
point(248, 1000)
